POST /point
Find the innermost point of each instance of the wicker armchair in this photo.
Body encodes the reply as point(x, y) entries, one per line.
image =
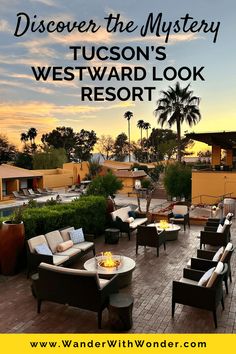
point(188, 292)
point(148, 236)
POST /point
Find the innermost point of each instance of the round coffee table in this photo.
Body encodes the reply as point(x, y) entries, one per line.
point(124, 271)
point(171, 232)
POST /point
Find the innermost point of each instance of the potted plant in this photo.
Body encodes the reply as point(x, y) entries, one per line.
point(12, 237)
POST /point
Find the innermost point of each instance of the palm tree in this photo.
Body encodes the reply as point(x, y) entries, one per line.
point(176, 106)
point(128, 115)
point(24, 137)
point(32, 133)
point(146, 126)
point(140, 125)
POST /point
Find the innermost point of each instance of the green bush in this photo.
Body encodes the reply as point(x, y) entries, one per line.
point(177, 180)
point(106, 185)
point(88, 212)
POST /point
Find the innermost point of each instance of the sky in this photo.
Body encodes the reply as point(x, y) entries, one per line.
point(45, 105)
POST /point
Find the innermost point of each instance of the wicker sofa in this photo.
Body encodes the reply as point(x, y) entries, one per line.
point(78, 288)
point(52, 240)
point(122, 221)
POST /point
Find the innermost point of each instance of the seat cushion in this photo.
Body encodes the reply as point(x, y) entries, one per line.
point(70, 252)
point(65, 233)
point(83, 246)
point(218, 254)
point(188, 281)
point(57, 260)
point(103, 282)
point(177, 219)
point(54, 238)
point(137, 222)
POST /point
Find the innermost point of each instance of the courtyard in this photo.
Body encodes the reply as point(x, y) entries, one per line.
point(151, 288)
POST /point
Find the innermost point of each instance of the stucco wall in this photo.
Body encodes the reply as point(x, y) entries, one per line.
point(212, 184)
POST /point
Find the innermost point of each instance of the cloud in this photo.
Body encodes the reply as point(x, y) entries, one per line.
point(5, 26)
point(51, 3)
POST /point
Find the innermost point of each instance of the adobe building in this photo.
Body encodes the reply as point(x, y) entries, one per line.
point(211, 185)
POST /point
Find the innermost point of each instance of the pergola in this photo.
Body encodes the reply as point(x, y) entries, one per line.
point(218, 140)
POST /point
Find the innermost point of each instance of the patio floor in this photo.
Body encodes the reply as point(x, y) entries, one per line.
point(151, 288)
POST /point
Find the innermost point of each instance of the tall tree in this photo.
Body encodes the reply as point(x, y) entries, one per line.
point(140, 125)
point(128, 115)
point(178, 105)
point(7, 150)
point(146, 126)
point(84, 144)
point(61, 137)
point(106, 146)
point(32, 133)
point(24, 138)
point(121, 147)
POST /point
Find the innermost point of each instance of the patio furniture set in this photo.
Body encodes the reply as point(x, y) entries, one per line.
point(202, 283)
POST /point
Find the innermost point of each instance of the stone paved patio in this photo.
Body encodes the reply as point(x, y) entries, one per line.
point(151, 288)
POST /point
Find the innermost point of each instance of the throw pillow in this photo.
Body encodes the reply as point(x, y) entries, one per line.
point(118, 219)
point(228, 248)
point(64, 246)
point(218, 254)
point(206, 276)
point(178, 216)
point(132, 214)
point(220, 228)
point(43, 249)
point(77, 236)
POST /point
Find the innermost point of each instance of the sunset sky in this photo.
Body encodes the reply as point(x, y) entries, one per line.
point(45, 105)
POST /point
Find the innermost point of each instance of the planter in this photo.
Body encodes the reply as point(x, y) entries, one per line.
point(12, 237)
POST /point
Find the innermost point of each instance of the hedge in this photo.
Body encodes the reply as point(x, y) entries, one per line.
point(88, 212)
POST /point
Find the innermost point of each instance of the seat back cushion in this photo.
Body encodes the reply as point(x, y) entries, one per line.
point(35, 241)
point(228, 248)
point(65, 233)
point(122, 213)
point(54, 238)
point(180, 209)
point(218, 254)
point(217, 271)
point(206, 276)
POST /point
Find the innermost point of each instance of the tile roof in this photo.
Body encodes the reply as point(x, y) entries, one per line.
point(130, 174)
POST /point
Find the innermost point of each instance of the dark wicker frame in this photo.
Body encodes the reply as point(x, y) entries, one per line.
point(148, 236)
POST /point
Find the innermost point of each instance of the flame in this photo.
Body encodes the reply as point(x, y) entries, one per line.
point(164, 224)
point(108, 261)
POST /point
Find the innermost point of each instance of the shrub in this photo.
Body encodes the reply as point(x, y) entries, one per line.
point(106, 185)
point(146, 183)
point(88, 212)
point(177, 180)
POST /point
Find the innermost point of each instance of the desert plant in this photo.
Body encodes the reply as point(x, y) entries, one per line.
point(17, 216)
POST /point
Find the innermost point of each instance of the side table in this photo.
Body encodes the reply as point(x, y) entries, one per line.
point(112, 235)
point(120, 311)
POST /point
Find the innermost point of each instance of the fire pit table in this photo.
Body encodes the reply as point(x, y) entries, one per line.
point(171, 230)
point(124, 267)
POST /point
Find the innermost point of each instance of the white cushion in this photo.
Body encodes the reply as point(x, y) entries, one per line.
point(103, 282)
point(229, 246)
point(206, 276)
point(220, 228)
point(57, 260)
point(37, 240)
point(65, 233)
point(218, 254)
point(188, 281)
point(189, 264)
point(130, 219)
point(219, 268)
point(137, 222)
point(70, 252)
point(83, 246)
point(53, 238)
point(229, 216)
point(77, 236)
point(122, 213)
point(43, 249)
point(227, 222)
